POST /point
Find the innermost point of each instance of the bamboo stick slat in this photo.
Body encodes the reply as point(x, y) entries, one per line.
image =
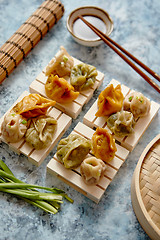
point(15, 49)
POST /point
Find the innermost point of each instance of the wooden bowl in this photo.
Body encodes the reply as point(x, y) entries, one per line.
point(145, 189)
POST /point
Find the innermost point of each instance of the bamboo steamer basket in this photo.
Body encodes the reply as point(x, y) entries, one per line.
point(145, 189)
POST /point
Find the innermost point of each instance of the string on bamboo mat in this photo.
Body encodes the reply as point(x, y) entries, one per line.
point(15, 49)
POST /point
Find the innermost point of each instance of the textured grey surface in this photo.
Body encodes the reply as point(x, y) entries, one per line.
point(136, 28)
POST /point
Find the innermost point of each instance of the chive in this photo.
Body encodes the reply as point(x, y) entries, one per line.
point(48, 201)
point(65, 58)
point(24, 122)
point(130, 99)
point(4, 167)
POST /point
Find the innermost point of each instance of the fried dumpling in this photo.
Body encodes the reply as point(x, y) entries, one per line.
point(137, 104)
point(121, 123)
point(60, 90)
point(33, 105)
point(40, 133)
point(83, 76)
point(13, 127)
point(110, 101)
point(92, 169)
point(61, 64)
point(72, 150)
point(103, 145)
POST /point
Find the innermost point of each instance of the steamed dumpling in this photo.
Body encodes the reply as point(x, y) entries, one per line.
point(41, 131)
point(121, 123)
point(60, 90)
point(83, 76)
point(110, 101)
point(92, 169)
point(33, 105)
point(72, 150)
point(61, 64)
point(13, 127)
point(137, 104)
point(103, 145)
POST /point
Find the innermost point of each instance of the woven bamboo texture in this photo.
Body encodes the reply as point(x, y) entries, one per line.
point(15, 49)
point(146, 189)
point(38, 156)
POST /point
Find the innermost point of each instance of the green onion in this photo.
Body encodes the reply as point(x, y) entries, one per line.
point(48, 201)
point(24, 122)
point(65, 58)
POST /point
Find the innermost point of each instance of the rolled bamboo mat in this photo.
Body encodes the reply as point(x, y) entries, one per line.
point(15, 49)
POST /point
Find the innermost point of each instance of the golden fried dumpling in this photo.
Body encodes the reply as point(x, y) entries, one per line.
point(60, 90)
point(61, 64)
point(121, 123)
point(92, 169)
point(33, 105)
point(72, 150)
point(110, 101)
point(13, 127)
point(40, 133)
point(103, 145)
point(137, 104)
point(83, 76)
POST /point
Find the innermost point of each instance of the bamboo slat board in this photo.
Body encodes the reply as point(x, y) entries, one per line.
point(145, 189)
point(72, 109)
point(73, 177)
point(15, 49)
point(37, 156)
point(141, 125)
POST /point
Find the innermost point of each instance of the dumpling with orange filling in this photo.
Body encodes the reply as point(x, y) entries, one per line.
point(110, 101)
point(60, 90)
point(33, 105)
point(103, 145)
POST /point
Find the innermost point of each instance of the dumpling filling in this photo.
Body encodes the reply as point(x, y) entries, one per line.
point(41, 131)
point(83, 76)
point(121, 123)
point(137, 104)
point(72, 150)
point(13, 127)
point(92, 170)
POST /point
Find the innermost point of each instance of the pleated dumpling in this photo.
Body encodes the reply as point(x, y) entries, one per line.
point(60, 90)
point(13, 127)
point(83, 76)
point(72, 150)
point(103, 145)
point(40, 133)
point(121, 123)
point(110, 101)
point(137, 104)
point(33, 105)
point(92, 169)
point(61, 64)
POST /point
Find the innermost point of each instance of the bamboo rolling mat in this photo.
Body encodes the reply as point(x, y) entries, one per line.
point(15, 49)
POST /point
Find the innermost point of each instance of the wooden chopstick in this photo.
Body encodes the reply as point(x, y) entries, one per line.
point(112, 45)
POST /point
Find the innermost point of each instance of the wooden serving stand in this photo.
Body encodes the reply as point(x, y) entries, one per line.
point(145, 189)
point(124, 147)
point(37, 156)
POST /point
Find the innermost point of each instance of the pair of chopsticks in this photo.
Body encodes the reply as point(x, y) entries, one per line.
point(112, 44)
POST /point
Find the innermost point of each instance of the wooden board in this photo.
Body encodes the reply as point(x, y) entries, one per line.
point(73, 177)
point(141, 125)
point(37, 156)
point(72, 109)
point(145, 189)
